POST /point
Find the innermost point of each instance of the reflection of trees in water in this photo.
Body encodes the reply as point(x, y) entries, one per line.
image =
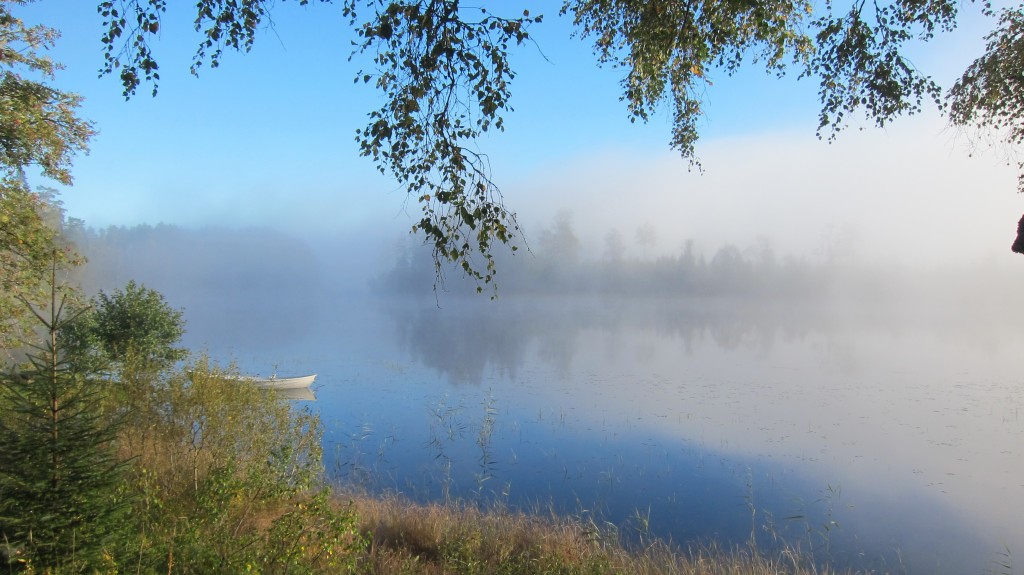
point(461, 349)
point(469, 340)
point(463, 342)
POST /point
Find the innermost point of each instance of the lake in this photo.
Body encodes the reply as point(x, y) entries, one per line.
point(887, 439)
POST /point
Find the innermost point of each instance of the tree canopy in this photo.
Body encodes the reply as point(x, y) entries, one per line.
point(444, 73)
point(134, 325)
point(62, 503)
point(990, 94)
point(39, 128)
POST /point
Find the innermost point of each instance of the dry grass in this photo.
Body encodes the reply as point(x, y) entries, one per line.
point(461, 539)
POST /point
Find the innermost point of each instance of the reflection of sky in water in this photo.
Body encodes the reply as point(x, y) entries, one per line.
point(685, 415)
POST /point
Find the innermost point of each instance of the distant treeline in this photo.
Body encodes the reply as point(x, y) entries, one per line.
point(189, 263)
point(257, 268)
point(558, 265)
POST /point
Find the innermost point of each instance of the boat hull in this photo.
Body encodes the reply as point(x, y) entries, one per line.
point(281, 382)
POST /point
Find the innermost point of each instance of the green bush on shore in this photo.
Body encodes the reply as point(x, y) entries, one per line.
point(230, 480)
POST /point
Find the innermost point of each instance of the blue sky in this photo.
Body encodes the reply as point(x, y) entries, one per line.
point(268, 138)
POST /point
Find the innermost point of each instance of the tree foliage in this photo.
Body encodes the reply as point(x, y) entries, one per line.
point(26, 243)
point(990, 94)
point(444, 73)
point(60, 479)
point(38, 128)
point(32, 240)
point(230, 481)
point(136, 324)
point(668, 49)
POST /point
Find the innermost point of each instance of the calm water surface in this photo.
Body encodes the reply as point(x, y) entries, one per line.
point(880, 440)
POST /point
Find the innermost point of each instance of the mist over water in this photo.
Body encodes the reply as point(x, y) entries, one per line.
point(872, 415)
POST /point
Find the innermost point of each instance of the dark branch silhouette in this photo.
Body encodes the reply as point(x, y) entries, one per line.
point(1018, 244)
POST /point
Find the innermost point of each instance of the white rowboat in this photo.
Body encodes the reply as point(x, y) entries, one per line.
point(274, 382)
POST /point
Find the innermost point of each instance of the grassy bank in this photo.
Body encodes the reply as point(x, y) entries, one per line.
point(405, 538)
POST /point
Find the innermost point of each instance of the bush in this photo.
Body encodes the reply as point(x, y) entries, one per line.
point(230, 477)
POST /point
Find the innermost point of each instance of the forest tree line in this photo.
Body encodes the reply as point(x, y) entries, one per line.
point(558, 263)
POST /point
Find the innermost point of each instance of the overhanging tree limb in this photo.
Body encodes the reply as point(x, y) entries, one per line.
point(990, 93)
